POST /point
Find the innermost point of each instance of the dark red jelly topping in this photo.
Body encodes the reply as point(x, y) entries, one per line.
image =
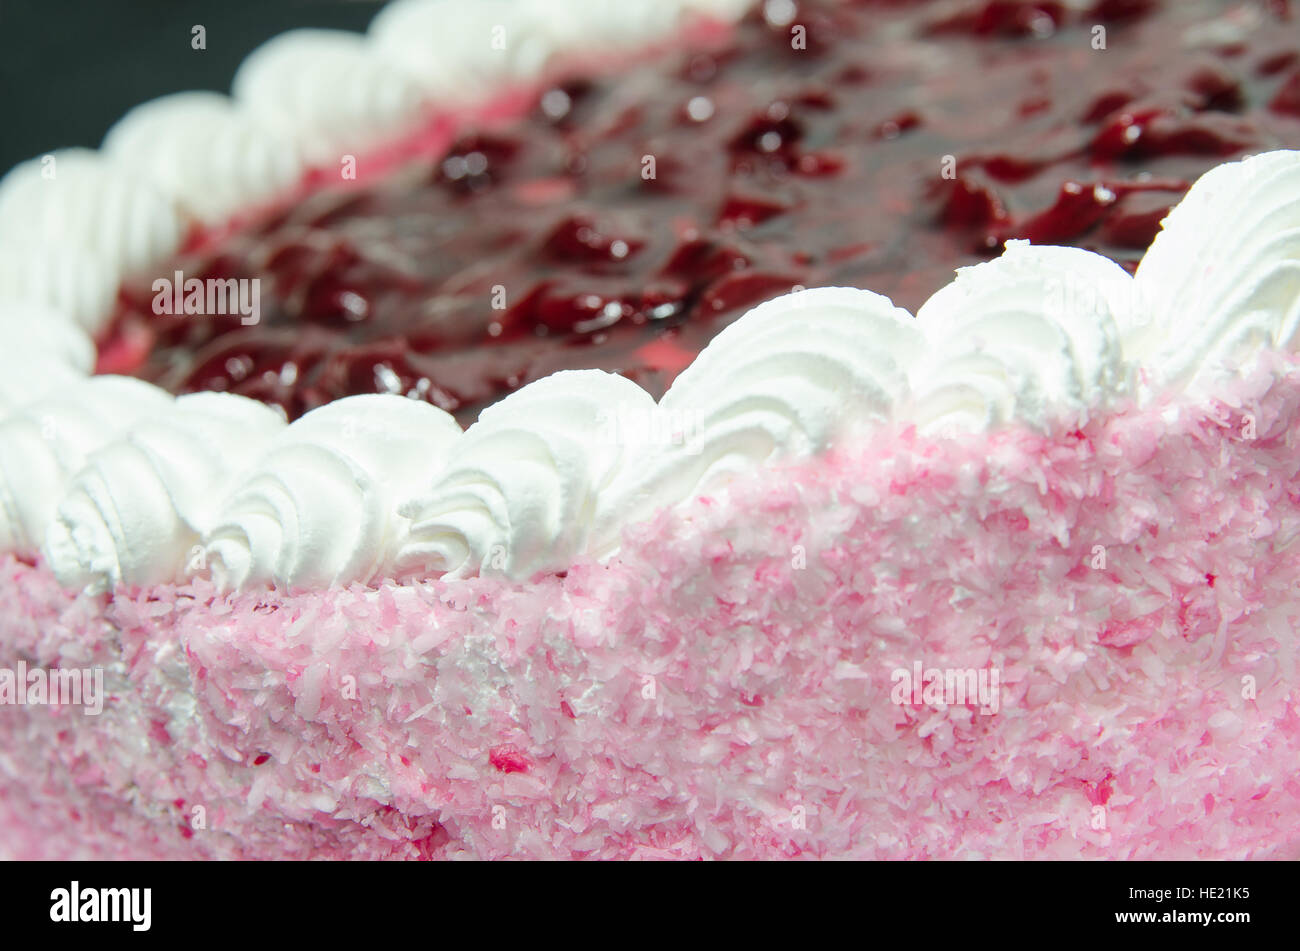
point(627, 219)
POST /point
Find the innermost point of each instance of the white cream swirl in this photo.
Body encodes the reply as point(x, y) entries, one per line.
point(319, 507)
point(74, 198)
point(450, 47)
point(721, 9)
point(600, 24)
point(29, 328)
point(43, 444)
point(784, 381)
point(32, 378)
point(1222, 277)
point(329, 90)
point(43, 353)
point(1029, 336)
point(73, 281)
point(136, 510)
point(209, 157)
point(527, 483)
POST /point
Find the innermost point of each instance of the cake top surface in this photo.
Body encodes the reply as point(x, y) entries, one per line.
point(605, 270)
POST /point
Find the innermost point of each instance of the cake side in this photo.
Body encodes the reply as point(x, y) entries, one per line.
point(725, 686)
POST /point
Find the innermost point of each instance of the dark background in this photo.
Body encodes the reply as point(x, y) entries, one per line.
point(69, 69)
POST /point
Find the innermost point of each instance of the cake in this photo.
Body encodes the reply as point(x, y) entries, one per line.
point(507, 434)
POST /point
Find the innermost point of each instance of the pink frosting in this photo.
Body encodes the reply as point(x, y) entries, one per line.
point(703, 695)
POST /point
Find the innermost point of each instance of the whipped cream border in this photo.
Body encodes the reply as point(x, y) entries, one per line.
point(116, 482)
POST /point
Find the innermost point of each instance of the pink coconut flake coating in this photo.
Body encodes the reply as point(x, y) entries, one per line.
point(722, 688)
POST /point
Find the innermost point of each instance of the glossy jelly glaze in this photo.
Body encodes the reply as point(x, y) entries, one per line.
point(626, 219)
